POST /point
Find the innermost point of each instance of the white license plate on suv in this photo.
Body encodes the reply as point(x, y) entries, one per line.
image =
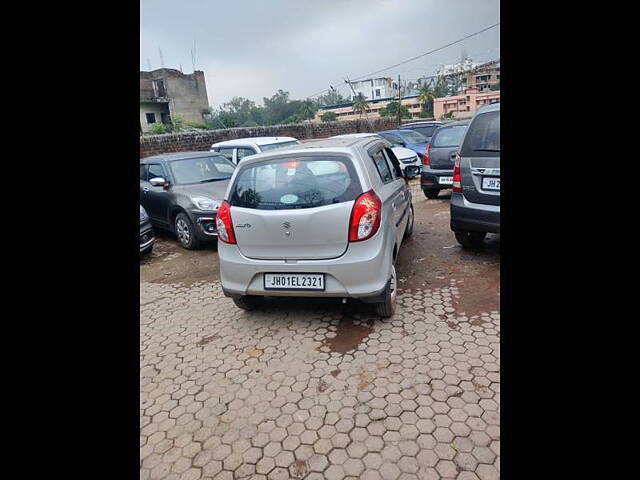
point(445, 180)
point(294, 281)
point(489, 183)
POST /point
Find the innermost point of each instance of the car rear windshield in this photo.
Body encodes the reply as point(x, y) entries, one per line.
point(449, 136)
point(414, 137)
point(483, 137)
point(427, 130)
point(292, 183)
point(270, 146)
point(202, 169)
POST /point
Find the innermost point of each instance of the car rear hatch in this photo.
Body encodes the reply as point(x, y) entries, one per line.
point(294, 208)
point(444, 146)
point(480, 160)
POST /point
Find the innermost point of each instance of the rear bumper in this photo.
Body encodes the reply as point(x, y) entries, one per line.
point(430, 179)
point(361, 272)
point(473, 217)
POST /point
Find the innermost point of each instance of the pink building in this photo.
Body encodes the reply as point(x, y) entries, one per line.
point(465, 105)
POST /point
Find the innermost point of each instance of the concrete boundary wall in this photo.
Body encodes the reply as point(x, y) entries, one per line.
point(203, 139)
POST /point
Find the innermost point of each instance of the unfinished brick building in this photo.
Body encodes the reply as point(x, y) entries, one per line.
point(167, 92)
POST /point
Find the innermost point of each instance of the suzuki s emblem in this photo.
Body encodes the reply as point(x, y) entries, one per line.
point(286, 225)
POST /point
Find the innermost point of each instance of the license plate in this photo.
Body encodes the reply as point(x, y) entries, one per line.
point(445, 180)
point(294, 281)
point(489, 183)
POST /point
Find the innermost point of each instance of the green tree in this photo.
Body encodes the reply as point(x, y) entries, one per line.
point(446, 116)
point(360, 104)
point(331, 98)
point(391, 110)
point(309, 109)
point(329, 117)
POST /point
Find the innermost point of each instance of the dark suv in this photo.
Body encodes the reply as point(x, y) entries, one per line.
point(475, 201)
point(426, 128)
point(437, 169)
point(181, 192)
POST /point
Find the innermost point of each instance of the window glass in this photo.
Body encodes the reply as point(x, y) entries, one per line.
point(395, 164)
point(392, 138)
point(483, 138)
point(293, 183)
point(202, 169)
point(156, 170)
point(414, 137)
point(448, 137)
point(244, 152)
point(427, 130)
point(382, 166)
point(270, 146)
point(151, 117)
point(226, 151)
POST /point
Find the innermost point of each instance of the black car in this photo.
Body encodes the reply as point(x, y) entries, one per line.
point(146, 233)
point(437, 168)
point(426, 128)
point(181, 192)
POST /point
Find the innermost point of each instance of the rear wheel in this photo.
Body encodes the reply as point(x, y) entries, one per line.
point(431, 192)
point(247, 302)
point(409, 230)
point(473, 240)
point(185, 232)
point(388, 307)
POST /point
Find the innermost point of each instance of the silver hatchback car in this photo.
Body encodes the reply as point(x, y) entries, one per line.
point(321, 219)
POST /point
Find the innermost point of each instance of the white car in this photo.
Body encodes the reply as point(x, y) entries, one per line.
point(238, 148)
point(405, 156)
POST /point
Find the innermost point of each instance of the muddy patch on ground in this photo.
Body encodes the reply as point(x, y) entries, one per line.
point(348, 336)
point(478, 294)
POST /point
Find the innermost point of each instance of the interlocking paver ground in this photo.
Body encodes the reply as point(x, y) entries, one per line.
point(226, 393)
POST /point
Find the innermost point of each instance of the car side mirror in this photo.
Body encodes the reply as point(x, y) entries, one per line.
point(157, 181)
point(411, 171)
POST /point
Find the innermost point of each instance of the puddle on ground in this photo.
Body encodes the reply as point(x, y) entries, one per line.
point(348, 336)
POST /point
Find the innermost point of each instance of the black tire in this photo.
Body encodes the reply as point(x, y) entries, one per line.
point(431, 193)
point(147, 250)
point(409, 230)
point(247, 302)
point(387, 308)
point(186, 232)
point(472, 240)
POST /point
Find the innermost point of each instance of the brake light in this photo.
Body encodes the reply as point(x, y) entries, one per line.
point(457, 179)
point(365, 217)
point(425, 157)
point(224, 224)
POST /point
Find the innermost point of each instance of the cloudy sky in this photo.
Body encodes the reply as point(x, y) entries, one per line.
point(252, 48)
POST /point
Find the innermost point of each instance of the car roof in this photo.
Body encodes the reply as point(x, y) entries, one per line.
point(255, 140)
point(354, 135)
point(168, 157)
point(418, 124)
point(453, 124)
point(338, 145)
point(492, 107)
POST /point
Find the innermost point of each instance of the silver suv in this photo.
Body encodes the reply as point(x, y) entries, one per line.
point(321, 219)
point(475, 201)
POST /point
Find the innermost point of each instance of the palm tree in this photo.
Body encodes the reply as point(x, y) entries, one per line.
point(360, 104)
point(426, 94)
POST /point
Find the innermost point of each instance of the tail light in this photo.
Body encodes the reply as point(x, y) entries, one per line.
point(457, 179)
point(365, 217)
point(224, 224)
point(425, 157)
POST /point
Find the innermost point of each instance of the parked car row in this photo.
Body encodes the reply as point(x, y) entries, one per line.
point(325, 218)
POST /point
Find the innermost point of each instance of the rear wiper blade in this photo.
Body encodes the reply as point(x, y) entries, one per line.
point(485, 150)
point(212, 180)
